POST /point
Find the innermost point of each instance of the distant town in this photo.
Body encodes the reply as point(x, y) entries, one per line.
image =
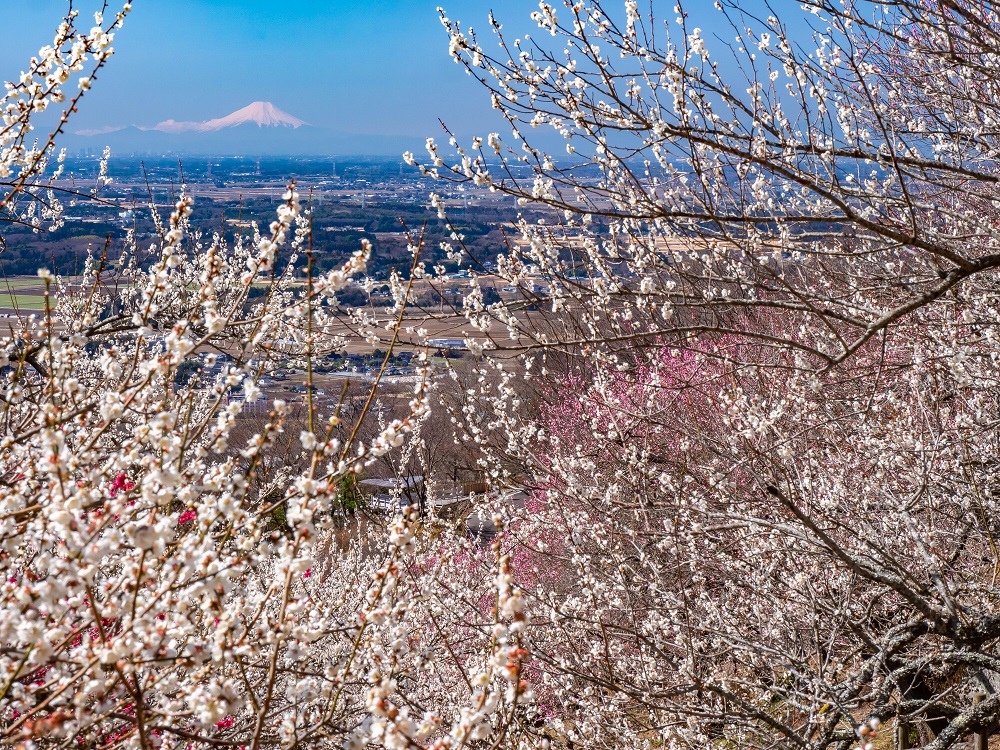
point(379, 200)
point(351, 199)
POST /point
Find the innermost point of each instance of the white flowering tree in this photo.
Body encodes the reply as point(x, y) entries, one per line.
point(27, 193)
point(764, 475)
point(164, 586)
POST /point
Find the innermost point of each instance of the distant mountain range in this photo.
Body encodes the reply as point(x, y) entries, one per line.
point(257, 129)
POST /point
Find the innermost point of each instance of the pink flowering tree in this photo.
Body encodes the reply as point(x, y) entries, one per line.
point(759, 328)
point(732, 552)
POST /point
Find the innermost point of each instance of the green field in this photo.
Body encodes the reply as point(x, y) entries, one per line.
point(22, 301)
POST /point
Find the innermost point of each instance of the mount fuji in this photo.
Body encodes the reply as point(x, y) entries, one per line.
point(261, 114)
point(260, 128)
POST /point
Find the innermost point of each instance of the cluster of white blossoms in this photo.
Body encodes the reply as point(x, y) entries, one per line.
point(150, 596)
point(25, 157)
point(167, 581)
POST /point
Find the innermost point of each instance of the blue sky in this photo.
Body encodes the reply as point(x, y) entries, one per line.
point(379, 66)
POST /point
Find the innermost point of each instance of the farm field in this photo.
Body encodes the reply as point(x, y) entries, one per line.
point(21, 301)
point(22, 294)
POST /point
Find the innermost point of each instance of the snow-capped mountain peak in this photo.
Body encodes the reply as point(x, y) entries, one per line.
point(261, 114)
